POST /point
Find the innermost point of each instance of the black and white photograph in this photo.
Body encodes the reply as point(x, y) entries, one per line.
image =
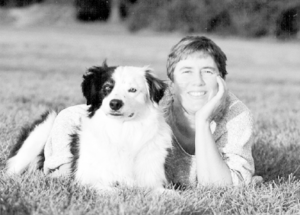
point(149, 107)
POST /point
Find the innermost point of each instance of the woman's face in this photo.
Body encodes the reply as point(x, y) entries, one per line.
point(195, 81)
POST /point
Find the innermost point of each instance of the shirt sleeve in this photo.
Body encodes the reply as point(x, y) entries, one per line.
point(57, 148)
point(236, 147)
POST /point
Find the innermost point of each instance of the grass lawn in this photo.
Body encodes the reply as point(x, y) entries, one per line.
point(42, 67)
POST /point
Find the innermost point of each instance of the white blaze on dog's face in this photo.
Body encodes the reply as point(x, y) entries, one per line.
point(129, 95)
point(121, 92)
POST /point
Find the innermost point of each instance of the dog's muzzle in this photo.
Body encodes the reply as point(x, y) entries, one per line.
point(116, 104)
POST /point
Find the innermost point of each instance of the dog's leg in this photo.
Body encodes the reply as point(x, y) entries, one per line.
point(149, 169)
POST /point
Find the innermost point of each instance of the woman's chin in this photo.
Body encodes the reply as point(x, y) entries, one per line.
point(194, 108)
point(191, 106)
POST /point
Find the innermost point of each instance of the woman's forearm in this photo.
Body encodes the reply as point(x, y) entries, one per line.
point(211, 169)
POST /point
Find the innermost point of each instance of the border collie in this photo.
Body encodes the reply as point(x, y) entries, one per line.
point(124, 140)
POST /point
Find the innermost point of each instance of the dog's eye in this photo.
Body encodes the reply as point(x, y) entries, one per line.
point(132, 90)
point(107, 89)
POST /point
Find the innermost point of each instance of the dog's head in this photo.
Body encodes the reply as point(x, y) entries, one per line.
point(121, 92)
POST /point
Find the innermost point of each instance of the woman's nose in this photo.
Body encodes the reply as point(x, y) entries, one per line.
point(198, 79)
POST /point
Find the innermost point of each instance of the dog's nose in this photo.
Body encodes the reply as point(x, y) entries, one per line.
point(116, 104)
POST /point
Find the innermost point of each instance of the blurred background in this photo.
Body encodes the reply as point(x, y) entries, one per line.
point(255, 18)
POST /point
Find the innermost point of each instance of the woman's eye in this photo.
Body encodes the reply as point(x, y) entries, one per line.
point(132, 90)
point(187, 71)
point(207, 72)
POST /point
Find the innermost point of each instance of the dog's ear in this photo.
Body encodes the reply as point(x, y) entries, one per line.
point(104, 64)
point(88, 84)
point(157, 87)
point(92, 83)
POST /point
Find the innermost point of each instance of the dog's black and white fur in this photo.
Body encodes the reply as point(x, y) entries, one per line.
point(124, 140)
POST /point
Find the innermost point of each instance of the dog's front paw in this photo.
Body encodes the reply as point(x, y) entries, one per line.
point(62, 171)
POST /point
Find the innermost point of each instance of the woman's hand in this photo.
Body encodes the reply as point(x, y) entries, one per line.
point(214, 105)
point(211, 168)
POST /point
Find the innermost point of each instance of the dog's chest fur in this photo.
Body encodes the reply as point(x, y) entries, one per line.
point(110, 151)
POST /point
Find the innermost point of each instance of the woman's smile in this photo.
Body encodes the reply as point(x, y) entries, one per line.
point(197, 94)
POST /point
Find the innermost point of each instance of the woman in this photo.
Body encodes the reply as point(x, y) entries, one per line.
point(212, 128)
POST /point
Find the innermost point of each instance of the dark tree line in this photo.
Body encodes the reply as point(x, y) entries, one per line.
point(86, 10)
point(18, 3)
point(250, 18)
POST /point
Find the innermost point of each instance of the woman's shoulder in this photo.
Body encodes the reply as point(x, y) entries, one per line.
point(236, 126)
point(237, 118)
point(72, 114)
point(74, 110)
point(235, 108)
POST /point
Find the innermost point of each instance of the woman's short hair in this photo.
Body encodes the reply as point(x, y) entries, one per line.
point(193, 44)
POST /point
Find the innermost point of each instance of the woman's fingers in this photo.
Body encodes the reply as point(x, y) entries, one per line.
point(222, 87)
point(221, 91)
point(212, 107)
